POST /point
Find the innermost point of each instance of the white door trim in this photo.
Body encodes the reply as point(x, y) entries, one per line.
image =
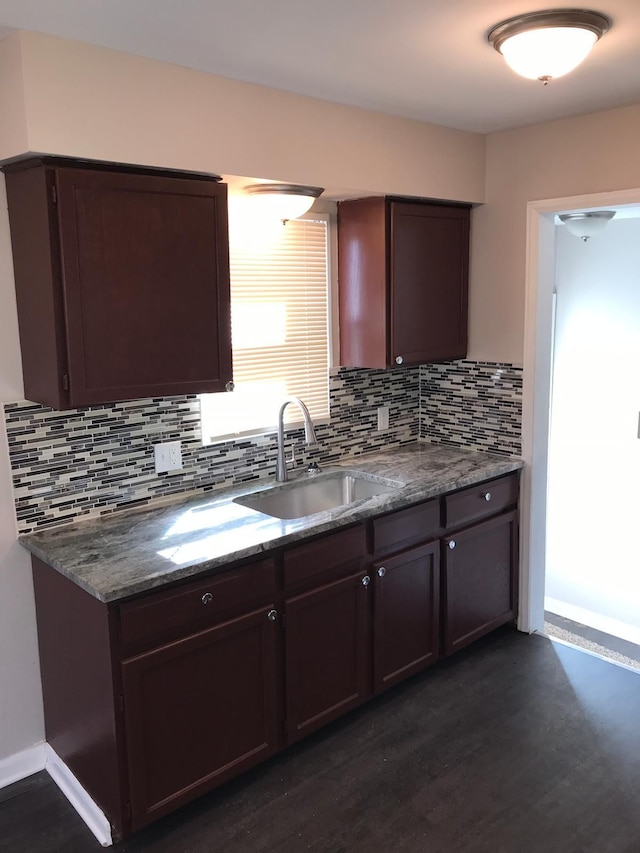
point(539, 287)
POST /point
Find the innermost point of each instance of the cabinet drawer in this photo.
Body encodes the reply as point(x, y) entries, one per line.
point(481, 501)
point(406, 527)
point(324, 558)
point(162, 616)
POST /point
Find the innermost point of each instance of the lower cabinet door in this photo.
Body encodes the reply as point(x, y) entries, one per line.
point(326, 651)
point(480, 579)
point(406, 625)
point(199, 711)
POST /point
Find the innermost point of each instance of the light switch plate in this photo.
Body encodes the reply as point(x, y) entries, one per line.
point(168, 456)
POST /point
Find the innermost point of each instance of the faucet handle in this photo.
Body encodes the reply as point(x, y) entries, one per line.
point(313, 468)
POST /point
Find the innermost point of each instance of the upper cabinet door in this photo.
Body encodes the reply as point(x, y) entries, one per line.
point(122, 282)
point(403, 273)
point(146, 283)
point(428, 276)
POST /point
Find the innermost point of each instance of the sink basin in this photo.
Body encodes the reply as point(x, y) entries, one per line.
point(323, 492)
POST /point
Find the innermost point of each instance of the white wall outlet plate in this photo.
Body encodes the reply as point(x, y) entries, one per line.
point(168, 456)
point(383, 418)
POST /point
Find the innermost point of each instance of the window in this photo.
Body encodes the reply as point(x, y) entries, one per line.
point(279, 331)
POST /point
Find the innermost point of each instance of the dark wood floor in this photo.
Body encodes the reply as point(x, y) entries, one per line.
point(517, 745)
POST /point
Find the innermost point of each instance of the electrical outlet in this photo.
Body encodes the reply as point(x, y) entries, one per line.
point(383, 418)
point(168, 456)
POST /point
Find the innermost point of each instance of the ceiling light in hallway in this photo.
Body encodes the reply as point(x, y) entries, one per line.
point(585, 225)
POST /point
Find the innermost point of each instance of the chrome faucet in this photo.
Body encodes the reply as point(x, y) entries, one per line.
point(309, 436)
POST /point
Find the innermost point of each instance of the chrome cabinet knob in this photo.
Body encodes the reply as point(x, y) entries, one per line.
point(452, 544)
point(272, 615)
point(399, 359)
point(487, 496)
point(366, 580)
point(382, 572)
point(207, 598)
point(230, 386)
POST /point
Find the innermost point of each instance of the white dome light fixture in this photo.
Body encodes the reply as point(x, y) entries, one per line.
point(548, 44)
point(586, 225)
point(283, 201)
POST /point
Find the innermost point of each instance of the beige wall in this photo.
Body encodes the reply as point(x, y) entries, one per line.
point(88, 101)
point(13, 121)
point(588, 154)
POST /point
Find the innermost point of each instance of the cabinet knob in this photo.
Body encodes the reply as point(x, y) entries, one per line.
point(366, 580)
point(207, 598)
point(487, 496)
point(230, 385)
point(382, 572)
point(399, 359)
point(452, 544)
point(272, 615)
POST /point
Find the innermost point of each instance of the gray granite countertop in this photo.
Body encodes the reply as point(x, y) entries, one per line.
point(120, 555)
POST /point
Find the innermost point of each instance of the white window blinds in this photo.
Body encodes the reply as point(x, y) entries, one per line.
point(279, 331)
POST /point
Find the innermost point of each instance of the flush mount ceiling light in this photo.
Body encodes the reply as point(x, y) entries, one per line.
point(283, 201)
point(585, 225)
point(548, 44)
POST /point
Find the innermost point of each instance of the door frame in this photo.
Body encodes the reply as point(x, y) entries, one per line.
point(537, 366)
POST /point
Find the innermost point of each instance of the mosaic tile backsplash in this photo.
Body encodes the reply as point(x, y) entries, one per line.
point(472, 404)
point(87, 462)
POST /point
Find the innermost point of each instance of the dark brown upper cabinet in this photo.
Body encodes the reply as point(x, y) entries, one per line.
point(122, 281)
point(403, 280)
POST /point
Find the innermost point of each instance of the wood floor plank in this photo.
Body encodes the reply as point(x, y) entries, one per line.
point(515, 745)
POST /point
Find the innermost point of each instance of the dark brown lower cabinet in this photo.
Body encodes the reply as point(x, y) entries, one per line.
point(326, 653)
point(198, 711)
point(406, 621)
point(154, 700)
point(479, 579)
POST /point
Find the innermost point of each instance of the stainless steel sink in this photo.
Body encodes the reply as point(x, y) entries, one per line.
point(323, 492)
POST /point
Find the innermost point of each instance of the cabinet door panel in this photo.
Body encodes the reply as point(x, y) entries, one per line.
point(406, 614)
point(480, 580)
point(146, 282)
point(199, 711)
point(429, 270)
point(327, 637)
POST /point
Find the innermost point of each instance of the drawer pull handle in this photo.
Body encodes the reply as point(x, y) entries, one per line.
point(366, 580)
point(399, 359)
point(207, 598)
point(382, 572)
point(452, 544)
point(272, 615)
point(487, 496)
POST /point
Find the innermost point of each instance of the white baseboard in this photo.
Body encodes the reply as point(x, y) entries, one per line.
point(22, 764)
point(81, 801)
point(594, 620)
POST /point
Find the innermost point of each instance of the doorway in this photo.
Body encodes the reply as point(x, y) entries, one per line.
point(592, 582)
point(539, 498)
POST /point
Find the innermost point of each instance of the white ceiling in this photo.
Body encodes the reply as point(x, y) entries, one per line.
point(424, 59)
